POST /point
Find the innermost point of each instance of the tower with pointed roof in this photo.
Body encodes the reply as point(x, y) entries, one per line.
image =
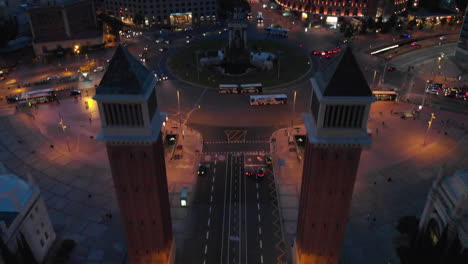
point(131, 128)
point(336, 132)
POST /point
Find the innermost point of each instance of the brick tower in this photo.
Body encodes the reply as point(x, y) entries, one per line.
point(336, 132)
point(131, 128)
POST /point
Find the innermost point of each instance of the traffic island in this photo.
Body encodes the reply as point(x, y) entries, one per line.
point(291, 64)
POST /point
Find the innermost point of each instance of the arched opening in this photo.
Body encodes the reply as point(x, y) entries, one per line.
point(433, 232)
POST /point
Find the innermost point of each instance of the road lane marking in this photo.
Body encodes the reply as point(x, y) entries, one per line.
point(207, 234)
point(212, 188)
point(211, 198)
point(245, 217)
point(256, 185)
point(259, 219)
point(258, 206)
point(214, 170)
point(224, 209)
point(259, 230)
point(213, 179)
point(206, 249)
point(257, 196)
point(230, 202)
point(215, 164)
point(209, 221)
point(261, 258)
point(210, 209)
point(261, 244)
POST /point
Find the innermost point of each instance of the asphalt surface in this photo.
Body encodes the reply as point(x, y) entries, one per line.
point(233, 215)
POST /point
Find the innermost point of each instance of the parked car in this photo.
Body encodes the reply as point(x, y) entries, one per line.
point(99, 69)
point(269, 160)
point(391, 68)
point(451, 92)
point(53, 77)
point(415, 44)
point(75, 93)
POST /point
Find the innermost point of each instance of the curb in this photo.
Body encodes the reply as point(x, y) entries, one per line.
point(277, 86)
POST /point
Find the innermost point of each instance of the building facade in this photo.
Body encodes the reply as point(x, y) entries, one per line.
point(61, 25)
point(131, 128)
point(23, 214)
point(444, 221)
point(160, 11)
point(347, 8)
point(336, 132)
point(461, 52)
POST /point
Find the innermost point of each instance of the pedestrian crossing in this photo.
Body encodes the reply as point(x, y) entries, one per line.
point(261, 152)
point(238, 142)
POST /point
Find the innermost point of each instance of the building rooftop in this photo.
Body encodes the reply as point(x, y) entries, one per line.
point(14, 195)
point(125, 76)
point(457, 186)
point(343, 77)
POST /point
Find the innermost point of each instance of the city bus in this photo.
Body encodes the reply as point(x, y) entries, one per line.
point(277, 31)
point(228, 88)
point(268, 99)
point(251, 88)
point(37, 96)
point(385, 95)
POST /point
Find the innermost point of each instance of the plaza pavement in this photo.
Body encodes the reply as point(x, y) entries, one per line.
point(77, 185)
point(398, 153)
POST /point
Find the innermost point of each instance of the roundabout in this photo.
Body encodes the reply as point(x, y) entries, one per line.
point(287, 64)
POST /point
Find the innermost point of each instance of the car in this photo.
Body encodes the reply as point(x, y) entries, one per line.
point(11, 99)
point(160, 40)
point(443, 38)
point(167, 41)
point(329, 51)
point(323, 53)
point(249, 171)
point(260, 173)
point(202, 170)
point(405, 36)
point(162, 49)
point(146, 47)
point(53, 77)
point(75, 93)
point(143, 60)
point(269, 160)
point(99, 69)
point(327, 56)
point(188, 37)
point(451, 92)
point(391, 68)
point(316, 52)
point(164, 77)
point(187, 41)
point(415, 44)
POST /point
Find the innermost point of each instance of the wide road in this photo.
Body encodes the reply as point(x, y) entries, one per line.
point(233, 216)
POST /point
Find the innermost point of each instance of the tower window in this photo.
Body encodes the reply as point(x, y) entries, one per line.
point(343, 116)
point(122, 114)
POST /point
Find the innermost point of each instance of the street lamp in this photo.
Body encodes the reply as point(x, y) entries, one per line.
point(63, 126)
point(292, 117)
point(429, 124)
point(178, 106)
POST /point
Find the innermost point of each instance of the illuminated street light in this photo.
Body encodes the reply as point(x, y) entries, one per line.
point(429, 124)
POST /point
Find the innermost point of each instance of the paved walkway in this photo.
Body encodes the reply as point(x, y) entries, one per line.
point(76, 184)
point(397, 153)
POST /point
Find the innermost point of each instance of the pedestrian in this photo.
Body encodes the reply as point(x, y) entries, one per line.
point(368, 217)
point(383, 123)
point(90, 120)
point(377, 131)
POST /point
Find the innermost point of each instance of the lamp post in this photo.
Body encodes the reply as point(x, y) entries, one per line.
point(292, 117)
point(429, 127)
point(63, 126)
point(180, 114)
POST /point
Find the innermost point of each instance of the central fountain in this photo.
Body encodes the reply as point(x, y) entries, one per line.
point(237, 58)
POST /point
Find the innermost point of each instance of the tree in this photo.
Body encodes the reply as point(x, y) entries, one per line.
point(138, 19)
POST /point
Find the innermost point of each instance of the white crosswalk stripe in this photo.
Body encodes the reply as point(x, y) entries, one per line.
point(238, 142)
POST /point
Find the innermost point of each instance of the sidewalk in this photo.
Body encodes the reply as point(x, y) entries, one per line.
point(396, 154)
point(77, 185)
